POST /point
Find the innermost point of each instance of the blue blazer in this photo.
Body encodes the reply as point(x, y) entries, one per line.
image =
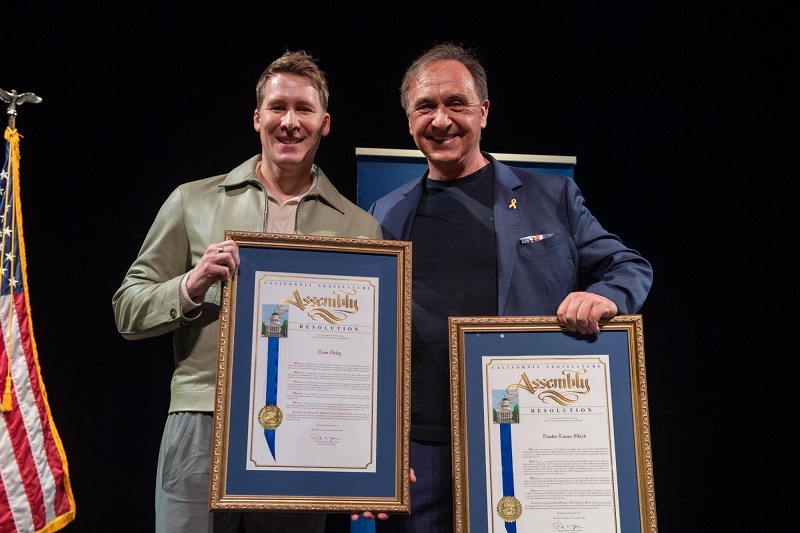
point(533, 278)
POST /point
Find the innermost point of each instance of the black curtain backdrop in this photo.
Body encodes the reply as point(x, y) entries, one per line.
point(674, 114)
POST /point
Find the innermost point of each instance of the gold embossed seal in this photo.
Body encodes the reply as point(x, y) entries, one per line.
point(509, 508)
point(270, 416)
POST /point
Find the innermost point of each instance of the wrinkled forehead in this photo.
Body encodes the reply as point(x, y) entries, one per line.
point(442, 78)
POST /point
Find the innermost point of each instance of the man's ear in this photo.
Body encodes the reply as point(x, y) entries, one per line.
point(326, 125)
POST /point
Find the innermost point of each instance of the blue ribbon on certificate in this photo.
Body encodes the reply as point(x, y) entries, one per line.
point(508, 468)
point(273, 344)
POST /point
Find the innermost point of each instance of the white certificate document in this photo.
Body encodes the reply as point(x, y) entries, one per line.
point(550, 444)
point(313, 373)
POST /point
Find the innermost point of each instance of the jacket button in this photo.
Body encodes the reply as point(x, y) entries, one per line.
point(173, 313)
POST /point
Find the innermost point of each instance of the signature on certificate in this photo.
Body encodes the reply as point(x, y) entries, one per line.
point(558, 526)
point(325, 439)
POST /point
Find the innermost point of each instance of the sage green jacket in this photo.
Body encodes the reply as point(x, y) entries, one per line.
point(195, 215)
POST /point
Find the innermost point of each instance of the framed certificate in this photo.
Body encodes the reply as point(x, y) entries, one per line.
point(553, 434)
point(313, 376)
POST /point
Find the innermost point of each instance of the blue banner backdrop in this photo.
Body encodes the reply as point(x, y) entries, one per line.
point(380, 171)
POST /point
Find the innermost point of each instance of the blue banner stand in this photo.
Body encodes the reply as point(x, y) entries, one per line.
point(380, 171)
point(362, 525)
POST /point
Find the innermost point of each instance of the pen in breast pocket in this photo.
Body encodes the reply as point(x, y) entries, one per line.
point(535, 238)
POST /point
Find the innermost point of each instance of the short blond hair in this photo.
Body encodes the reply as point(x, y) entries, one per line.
point(299, 63)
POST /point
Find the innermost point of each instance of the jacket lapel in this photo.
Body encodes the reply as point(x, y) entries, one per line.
point(509, 206)
point(399, 219)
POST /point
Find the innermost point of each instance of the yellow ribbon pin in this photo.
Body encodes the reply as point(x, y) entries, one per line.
point(513, 204)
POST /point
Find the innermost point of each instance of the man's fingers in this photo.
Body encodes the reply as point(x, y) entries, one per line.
point(581, 312)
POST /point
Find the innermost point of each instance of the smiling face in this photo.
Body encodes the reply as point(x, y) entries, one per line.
point(445, 117)
point(291, 122)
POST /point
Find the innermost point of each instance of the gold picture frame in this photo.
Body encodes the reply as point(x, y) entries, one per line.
point(517, 455)
point(333, 369)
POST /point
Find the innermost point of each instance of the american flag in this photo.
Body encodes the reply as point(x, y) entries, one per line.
point(35, 492)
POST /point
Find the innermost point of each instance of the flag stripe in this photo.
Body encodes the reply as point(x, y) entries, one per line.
point(6, 520)
point(27, 429)
point(40, 425)
point(18, 459)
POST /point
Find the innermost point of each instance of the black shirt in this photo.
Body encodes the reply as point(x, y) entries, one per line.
point(454, 274)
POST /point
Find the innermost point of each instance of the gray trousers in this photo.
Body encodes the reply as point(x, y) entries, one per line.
point(182, 484)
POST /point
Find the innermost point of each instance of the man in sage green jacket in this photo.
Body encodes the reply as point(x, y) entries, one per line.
point(174, 283)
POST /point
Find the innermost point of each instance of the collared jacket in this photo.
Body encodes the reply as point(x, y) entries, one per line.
point(195, 215)
point(548, 243)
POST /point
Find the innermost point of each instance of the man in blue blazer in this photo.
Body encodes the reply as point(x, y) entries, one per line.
point(488, 239)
